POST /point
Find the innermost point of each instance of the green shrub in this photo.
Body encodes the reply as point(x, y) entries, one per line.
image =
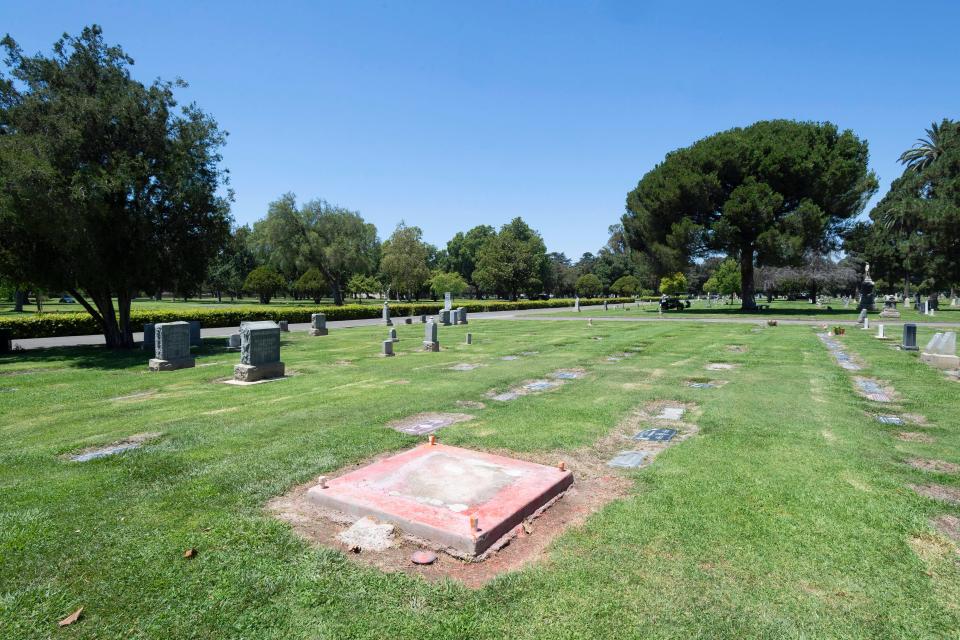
point(48, 325)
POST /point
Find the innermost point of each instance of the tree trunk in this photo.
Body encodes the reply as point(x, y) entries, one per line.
point(104, 316)
point(813, 294)
point(749, 302)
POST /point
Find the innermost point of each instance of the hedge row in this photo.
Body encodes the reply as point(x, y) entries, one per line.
point(47, 325)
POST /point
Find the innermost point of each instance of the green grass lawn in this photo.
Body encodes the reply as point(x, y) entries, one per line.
point(167, 304)
point(795, 310)
point(787, 515)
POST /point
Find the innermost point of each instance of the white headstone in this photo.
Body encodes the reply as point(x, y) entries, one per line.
point(447, 301)
point(880, 331)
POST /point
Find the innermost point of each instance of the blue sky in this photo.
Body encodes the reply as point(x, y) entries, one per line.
point(451, 114)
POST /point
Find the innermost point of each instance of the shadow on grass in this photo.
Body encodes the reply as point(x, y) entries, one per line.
point(99, 357)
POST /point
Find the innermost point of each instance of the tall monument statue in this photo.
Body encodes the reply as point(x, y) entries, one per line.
point(866, 292)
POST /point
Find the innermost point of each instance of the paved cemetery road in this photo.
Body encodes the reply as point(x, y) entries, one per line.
point(595, 312)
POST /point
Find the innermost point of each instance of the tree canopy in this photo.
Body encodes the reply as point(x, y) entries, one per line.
point(762, 194)
point(463, 251)
point(265, 282)
point(513, 262)
point(915, 230)
point(335, 240)
point(404, 264)
point(589, 286)
point(106, 188)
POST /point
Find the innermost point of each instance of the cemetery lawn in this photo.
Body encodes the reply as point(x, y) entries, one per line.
point(788, 514)
point(193, 304)
point(779, 309)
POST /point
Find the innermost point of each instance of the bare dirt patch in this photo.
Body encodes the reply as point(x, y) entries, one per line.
point(915, 418)
point(947, 525)
point(720, 366)
point(828, 435)
point(595, 486)
point(736, 348)
point(937, 466)
point(424, 423)
point(663, 410)
point(914, 436)
point(470, 404)
point(529, 544)
point(938, 492)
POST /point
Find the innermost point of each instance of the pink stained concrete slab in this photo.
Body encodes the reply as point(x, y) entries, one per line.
point(431, 492)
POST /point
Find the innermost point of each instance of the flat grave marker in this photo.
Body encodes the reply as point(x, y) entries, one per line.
point(628, 459)
point(670, 413)
point(656, 435)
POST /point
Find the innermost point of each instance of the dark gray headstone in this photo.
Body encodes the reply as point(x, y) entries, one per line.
point(195, 333)
point(259, 343)
point(462, 315)
point(6, 340)
point(388, 347)
point(318, 324)
point(149, 336)
point(386, 315)
point(909, 337)
point(172, 340)
point(172, 347)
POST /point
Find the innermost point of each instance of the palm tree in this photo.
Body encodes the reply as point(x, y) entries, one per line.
point(925, 151)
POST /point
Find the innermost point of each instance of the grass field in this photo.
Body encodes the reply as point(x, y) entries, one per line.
point(53, 306)
point(787, 515)
point(781, 309)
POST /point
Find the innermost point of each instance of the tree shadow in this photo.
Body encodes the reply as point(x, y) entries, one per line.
point(99, 357)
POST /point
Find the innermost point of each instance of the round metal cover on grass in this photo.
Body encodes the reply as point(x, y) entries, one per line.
point(423, 557)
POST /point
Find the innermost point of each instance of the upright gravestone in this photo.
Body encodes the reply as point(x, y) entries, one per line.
point(149, 335)
point(393, 336)
point(6, 340)
point(889, 308)
point(430, 341)
point(909, 337)
point(318, 324)
point(284, 325)
point(576, 304)
point(866, 291)
point(233, 342)
point(462, 315)
point(386, 315)
point(880, 332)
point(469, 338)
point(941, 351)
point(172, 345)
point(445, 317)
point(423, 318)
point(447, 301)
point(605, 305)
point(259, 352)
point(454, 316)
point(388, 348)
point(195, 333)
point(862, 317)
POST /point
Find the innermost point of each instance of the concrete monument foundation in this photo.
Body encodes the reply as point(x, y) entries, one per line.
point(461, 499)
